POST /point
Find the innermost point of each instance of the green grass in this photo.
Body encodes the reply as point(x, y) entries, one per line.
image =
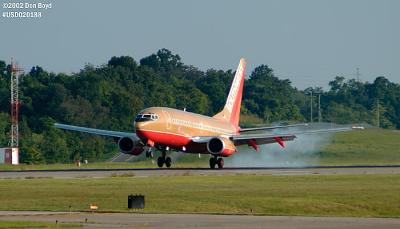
point(32, 224)
point(192, 161)
point(310, 195)
point(105, 165)
point(368, 147)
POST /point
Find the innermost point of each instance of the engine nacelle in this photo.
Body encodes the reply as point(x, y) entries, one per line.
point(220, 146)
point(129, 145)
point(215, 146)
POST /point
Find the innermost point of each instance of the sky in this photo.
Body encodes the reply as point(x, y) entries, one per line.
point(309, 41)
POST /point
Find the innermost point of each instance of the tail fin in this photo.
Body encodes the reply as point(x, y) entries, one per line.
point(231, 111)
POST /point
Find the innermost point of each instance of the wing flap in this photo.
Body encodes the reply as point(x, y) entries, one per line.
point(271, 127)
point(261, 139)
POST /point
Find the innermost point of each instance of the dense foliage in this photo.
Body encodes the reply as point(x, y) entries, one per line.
point(109, 96)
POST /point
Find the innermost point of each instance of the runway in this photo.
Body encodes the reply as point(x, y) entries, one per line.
point(147, 172)
point(189, 221)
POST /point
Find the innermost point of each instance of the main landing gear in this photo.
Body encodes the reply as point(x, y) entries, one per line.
point(216, 161)
point(149, 153)
point(164, 160)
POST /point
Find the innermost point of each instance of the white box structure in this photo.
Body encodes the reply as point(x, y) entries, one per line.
point(9, 156)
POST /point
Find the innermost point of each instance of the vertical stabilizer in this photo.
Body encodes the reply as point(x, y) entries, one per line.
point(231, 111)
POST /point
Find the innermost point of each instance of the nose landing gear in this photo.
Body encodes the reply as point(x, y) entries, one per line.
point(164, 160)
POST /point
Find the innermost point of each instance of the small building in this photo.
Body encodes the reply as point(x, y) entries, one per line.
point(9, 156)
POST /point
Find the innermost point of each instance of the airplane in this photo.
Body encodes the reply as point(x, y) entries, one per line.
point(167, 129)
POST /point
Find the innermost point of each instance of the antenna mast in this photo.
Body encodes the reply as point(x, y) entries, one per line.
point(15, 73)
point(358, 74)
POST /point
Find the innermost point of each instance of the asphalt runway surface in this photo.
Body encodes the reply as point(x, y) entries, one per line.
point(188, 221)
point(164, 221)
point(147, 172)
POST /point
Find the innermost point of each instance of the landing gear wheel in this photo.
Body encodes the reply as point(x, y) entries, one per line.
point(160, 162)
point(220, 163)
point(168, 162)
point(213, 161)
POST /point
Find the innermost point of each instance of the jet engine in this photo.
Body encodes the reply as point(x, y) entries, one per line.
point(220, 146)
point(215, 146)
point(129, 145)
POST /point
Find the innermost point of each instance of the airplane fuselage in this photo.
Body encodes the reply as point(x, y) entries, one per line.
point(174, 128)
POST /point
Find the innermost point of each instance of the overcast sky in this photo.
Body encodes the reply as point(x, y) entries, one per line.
point(308, 42)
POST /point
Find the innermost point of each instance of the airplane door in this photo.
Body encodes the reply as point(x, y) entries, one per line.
point(168, 119)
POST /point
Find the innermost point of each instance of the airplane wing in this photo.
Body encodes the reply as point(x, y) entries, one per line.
point(107, 133)
point(250, 139)
point(259, 139)
point(271, 127)
point(267, 138)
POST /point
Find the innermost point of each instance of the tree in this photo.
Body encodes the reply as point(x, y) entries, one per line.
point(123, 61)
point(269, 97)
point(337, 83)
point(4, 128)
point(110, 95)
point(31, 155)
point(163, 61)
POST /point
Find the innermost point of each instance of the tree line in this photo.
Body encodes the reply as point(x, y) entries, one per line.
point(109, 96)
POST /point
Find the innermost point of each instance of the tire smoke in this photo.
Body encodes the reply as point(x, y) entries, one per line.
point(300, 152)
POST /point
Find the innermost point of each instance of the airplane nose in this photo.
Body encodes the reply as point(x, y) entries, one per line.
point(139, 125)
point(145, 120)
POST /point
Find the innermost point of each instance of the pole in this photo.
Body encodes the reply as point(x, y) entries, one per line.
point(377, 112)
point(15, 73)
point(358, 74)
point(311, 107)
point(319, 108)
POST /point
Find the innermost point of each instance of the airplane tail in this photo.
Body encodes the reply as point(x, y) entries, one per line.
point(231, 111)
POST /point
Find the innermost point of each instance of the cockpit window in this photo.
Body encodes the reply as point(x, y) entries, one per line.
point(146, 117)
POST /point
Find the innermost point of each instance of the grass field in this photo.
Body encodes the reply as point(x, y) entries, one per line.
point(30, 224)
point(367, 147)
point(312, 195)
point(193, 163)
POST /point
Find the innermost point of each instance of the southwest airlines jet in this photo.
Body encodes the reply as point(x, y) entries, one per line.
point(168, 129)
